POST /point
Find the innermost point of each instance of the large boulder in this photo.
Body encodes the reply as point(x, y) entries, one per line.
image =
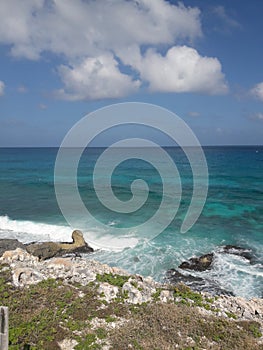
point(47, 250)
point(10, 244)
point(201, 263)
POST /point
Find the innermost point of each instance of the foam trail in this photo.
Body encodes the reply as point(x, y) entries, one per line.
point(29, 231)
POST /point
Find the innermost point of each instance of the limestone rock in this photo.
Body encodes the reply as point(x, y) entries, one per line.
point(47, 250)
point(201, 263)
point(134, 295)
point(166, 296)
point(18, 255)
point(67, 344)
point(44, 250)
point(10, 244)
point(139, 289)
point(26, 276)
point(108, 291)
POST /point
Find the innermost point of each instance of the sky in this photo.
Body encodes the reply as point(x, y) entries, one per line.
point(62, 59)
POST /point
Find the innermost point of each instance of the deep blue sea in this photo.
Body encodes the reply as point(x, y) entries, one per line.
point(233, 213)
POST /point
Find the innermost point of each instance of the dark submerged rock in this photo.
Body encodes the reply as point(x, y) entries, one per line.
point(10, 244)
point(47, 250)
point(201, 263)
point(235, 250)
point(198, 284)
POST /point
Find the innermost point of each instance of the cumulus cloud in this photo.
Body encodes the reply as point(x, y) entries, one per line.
point(257, 91)
point(94, 38)
point(95, 78)
point(182, 69)
point(75, 28)
point(2, 88)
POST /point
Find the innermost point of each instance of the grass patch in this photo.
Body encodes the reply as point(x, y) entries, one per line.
point(170, 326)
point(114, 280)
point(42, 315)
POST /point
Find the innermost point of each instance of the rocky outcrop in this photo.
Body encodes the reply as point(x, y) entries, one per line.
point(115, 288)
point(185, 273)
point(201, 263)
point(199, 284)
point(47, 250)
point(235, 250)
point(10, 244)
point(27, 269)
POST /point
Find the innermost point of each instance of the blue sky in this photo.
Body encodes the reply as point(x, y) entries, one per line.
point(62, 59)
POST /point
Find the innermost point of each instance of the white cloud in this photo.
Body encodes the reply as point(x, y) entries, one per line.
point(76, 28)
point(96, 39)
point(224, 17)
point(95, 78)
point(22, 89)
point(2, 88)
point(42, 106)
point(194, 114)
point(256, 116)
point(182, 69)
point(257, 91)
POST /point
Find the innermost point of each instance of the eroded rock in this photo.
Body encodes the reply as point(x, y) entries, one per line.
point(47, 250)
point(198, 284)
point(26, 276)
point(201, 263)
point(10, 244)
point(18, 255)
point(107, 291)
point(239, 251)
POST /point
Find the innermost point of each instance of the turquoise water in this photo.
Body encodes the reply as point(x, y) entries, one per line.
point(232, 214)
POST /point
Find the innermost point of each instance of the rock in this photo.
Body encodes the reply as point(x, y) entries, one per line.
point(198, 264)
point(166, 296)
point(67, 344)
point(174, 276)
point(47, 250)
point(27, 269)
point(60, 264)
point(139, 289)
point(134, 295)
point(18, 255)
point(242, 308)
point(26, 276)
point(235, 250)
point(198, 284)
point(44, 250)
point(107, 291)
point(10, 244)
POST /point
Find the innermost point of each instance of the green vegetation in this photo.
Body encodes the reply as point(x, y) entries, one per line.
point(231, 315)
point(169, 326)
point(115, 280)
point(42, 315)
point(156, 295)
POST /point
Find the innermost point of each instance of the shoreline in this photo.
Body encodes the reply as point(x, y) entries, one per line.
point(116, 285)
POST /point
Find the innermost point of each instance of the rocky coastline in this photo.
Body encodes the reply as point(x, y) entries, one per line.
point(39, 263)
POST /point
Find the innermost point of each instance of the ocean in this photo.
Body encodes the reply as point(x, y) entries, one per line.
point(232, 215)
